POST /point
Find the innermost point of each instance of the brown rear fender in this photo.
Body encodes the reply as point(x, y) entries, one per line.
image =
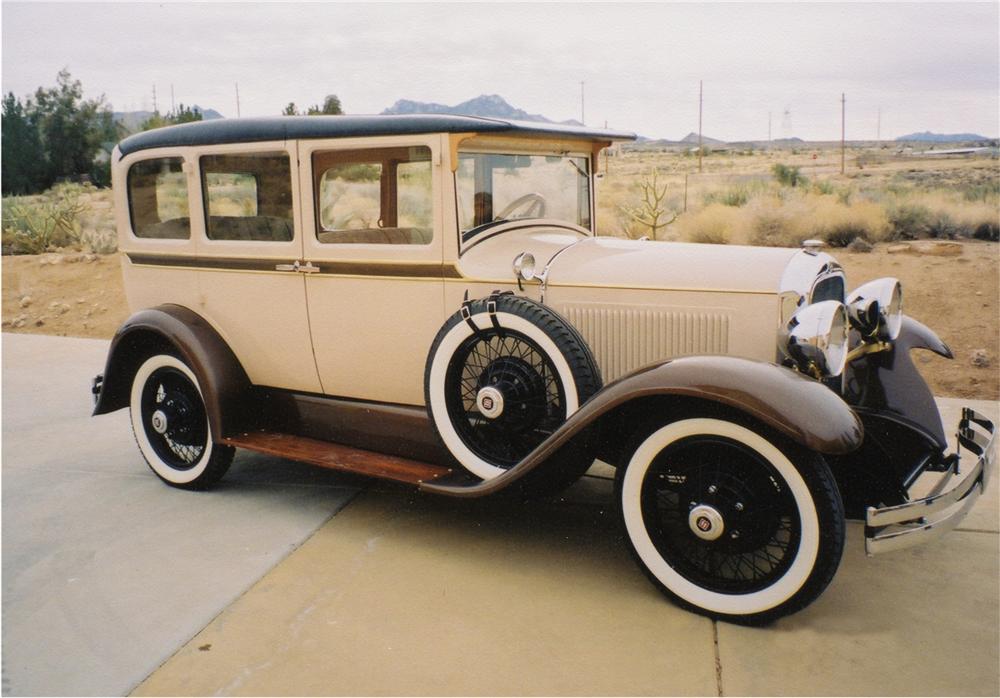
point(804, 410)
point(178, 330)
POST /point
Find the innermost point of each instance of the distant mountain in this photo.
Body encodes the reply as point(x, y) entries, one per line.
point(493, 106)
point(692, 138)
point(929, 137)
point(132, 120)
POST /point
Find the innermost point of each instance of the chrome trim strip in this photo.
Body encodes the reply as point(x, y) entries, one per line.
point(886, 528)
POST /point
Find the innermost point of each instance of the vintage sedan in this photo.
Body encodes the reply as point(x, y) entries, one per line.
point(425, 299)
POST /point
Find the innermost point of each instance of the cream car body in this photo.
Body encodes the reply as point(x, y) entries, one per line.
point(425, 299)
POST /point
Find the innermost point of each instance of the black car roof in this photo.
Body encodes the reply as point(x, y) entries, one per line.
point(279, 128)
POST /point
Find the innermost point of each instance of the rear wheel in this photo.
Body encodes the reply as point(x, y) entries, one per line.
point(730, 522)
point(171, 425)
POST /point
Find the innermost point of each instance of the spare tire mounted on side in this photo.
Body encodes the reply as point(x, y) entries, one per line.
point(502, 375)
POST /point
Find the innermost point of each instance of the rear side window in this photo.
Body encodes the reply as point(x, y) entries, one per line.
point(380, 196)
point(248, 197)
point(158, 199)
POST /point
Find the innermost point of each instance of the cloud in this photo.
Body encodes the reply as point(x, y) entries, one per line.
point(641, 62)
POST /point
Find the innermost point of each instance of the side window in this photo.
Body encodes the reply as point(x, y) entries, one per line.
point(248, 197)
point(376, 196)
point(158, 199)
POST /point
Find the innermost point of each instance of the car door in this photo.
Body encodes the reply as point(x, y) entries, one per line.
point(372, 214)
point(249, 248)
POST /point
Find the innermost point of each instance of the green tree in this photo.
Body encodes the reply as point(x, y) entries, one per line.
point(72, 130)
point(182, 115)
point(23, 158)
point(290, 110)
point(331, 105)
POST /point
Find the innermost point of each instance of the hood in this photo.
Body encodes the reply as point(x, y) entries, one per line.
point(670, 265)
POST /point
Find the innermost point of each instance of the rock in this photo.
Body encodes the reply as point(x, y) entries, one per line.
point(89, 258)
point(62, 308)
point(859, 245)
point(5, 323)
point(73, 258)
point(25, 301)
point(939, 248)
point(53, 305)
point(980, 359)
point(19, 321)
point(39, 322)
point(896, 249)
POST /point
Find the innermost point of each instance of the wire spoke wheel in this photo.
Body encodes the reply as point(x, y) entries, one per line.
point(171, 425)
point(760, 520)
point(521, 378)
point(730, 519)
point(173, 417)
point(503, 375)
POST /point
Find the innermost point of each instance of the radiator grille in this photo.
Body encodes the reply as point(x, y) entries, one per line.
point(624, 339)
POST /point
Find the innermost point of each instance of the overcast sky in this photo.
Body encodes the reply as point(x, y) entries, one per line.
point(926, 66)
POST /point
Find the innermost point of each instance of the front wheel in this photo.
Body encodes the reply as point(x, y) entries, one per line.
point(171, 425)
point(731, 523)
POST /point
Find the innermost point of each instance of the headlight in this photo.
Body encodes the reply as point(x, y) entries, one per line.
point(816, 338)
point(876, 308)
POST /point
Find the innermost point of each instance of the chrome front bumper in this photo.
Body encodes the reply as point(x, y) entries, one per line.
point(918, 521)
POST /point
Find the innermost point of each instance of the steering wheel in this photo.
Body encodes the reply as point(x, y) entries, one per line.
point(533, 203)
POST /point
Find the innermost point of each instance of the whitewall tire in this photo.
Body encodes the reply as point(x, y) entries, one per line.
point(171, 426)
point(728, 523)
point(496, 392)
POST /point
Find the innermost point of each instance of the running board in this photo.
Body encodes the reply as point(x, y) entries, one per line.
point(338, 457)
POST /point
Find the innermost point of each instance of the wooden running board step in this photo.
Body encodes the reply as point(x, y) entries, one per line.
point(338, 457)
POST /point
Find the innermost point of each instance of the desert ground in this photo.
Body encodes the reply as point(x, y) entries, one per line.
point(889, 214)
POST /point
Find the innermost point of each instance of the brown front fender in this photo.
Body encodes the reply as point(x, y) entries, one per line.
point(804, 410)
point(175, 329)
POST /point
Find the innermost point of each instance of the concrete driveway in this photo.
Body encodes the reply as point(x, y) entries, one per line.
point(114, 582)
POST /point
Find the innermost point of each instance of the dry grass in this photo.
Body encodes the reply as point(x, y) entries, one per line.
point(738, 198)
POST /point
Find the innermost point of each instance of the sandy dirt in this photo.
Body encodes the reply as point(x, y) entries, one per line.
point(80, 295)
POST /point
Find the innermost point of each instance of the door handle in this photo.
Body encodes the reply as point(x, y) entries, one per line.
point(307, 268)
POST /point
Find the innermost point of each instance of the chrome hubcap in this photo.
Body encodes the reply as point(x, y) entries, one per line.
point(489, 400)
point(159, 422)
point(706, 522)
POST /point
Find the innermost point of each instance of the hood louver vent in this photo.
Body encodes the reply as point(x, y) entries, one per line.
point(624, 339)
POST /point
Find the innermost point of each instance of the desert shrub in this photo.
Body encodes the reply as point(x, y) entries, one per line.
point(844, 233)
point(773, 228)
point(736, 197)
point(824, 187)
point(715, 224)
point(99, 241)
point(943, 227)
point(987, 231)
point(908, 221)
point(32, 225)
point(788, 176)
point(984, 191)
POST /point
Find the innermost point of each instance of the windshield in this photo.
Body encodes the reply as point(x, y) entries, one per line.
point(495, 188)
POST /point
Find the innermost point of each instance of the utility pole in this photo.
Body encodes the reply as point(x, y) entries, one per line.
point(173, 108)
point(237, 100)
point(154, 99)
point(700, 96)
point(582, 119)
point(769, 129)
point(878, 129)
point(843, 129)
